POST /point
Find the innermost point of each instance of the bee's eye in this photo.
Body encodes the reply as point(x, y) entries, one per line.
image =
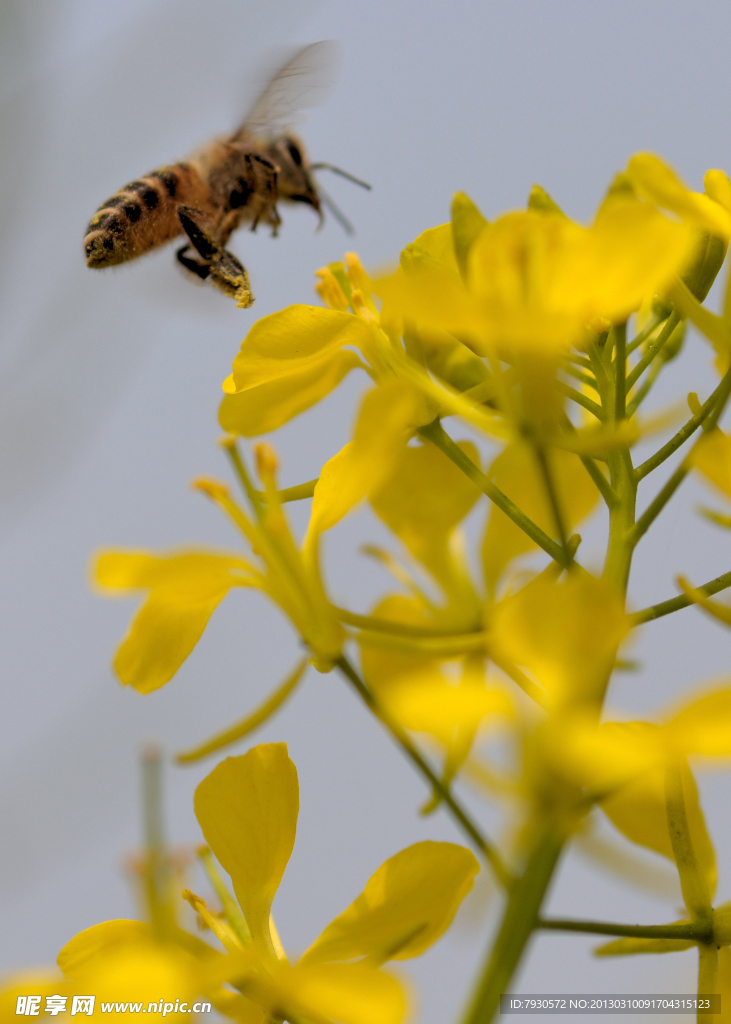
point(295, 153)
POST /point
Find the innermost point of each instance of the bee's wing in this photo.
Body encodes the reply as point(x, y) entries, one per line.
point(303, 81)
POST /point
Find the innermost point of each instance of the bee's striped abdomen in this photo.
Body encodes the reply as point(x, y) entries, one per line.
point(143, 215)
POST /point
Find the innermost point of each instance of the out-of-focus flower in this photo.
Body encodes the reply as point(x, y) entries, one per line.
point(536, 281)
point(247, 808)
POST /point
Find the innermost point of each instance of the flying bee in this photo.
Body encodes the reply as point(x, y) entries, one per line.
point(231, 181)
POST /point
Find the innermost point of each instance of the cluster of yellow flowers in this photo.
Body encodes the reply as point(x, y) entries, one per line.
point(518, 328)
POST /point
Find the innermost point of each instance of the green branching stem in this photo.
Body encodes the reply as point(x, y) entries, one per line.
point(686, 431)
point(675, 604)
point(652, 350)
point(620, 371)
point(416, 757)
point(296, 493)
point(668, 490)
point(157, 867)
point(645, 387)
point(435, 433)
point(603, 486)
point(579, 375)
point(643, 335)
point(521, 917)
point(707, 978)
point(553, 500)
point(576, 396)
point(691, 931)
point(658, 503)
point(621, 519)
point(377, 625)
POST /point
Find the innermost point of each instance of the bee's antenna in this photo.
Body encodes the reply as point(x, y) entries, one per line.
point(337, 213)
point(343, 174)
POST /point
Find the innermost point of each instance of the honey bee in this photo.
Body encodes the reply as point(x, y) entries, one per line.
point(228, 182)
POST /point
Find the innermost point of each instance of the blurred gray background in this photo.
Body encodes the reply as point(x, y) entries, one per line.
point(109, 385)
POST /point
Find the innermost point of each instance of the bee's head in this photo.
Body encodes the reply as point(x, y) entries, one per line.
point(295, 183)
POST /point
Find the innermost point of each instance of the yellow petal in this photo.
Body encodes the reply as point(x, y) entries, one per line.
point(516, 278)
point(516, 472)
point(288, 362)
point(566, 634)
point(712, 457)
point(98, 942)
point(388, 416)
point(185, 576)
point(718, 187)
point(639, 811)
point(422, 500)
point(144, 974)
point(632, 251)
point(438, 243)
point(405, 907)
point(604, 758)
point(291, 340)
point(261, 408)
point(659, 184)
point(247, 808)
point(348, 993)
point(704, 726)
point(385, 669)
point(39, 983)
point(432, 705)
point(185, 589)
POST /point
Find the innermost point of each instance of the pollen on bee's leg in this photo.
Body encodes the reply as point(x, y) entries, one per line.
point(228, 274)
point(244, 298)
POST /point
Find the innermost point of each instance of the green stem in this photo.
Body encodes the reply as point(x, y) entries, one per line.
point(576, 396)
point(435, 433)
point(376, 625)
point(707, 979)
point(296, 493)
point(644, 389)
point(694, 932)
point(643, 335)
point(157, 874)
point(553, 501)
point(232, 912)
point(674, 604)
point(652, 350)
point(656, 506)
point(682, 435)
point(229, 446)
point(416, 757)
point(585, 378)
point(603, 486)
point(620, 371)
point(519, 921)
point(621, 520)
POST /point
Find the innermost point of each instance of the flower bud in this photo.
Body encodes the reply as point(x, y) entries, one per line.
point(708, 255)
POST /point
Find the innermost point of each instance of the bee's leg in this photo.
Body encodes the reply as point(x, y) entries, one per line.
point(269, 173)
point(217, 265)
point(201, 270)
